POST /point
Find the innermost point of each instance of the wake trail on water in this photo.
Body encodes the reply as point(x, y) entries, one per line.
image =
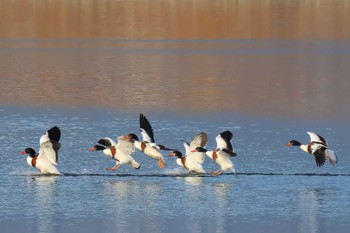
point(174, 173)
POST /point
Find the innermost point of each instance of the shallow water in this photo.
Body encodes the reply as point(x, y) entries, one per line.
point(276, 189)
point(268, 70)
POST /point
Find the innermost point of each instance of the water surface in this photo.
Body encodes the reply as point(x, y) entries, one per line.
point(276, 189)
point(268, 70)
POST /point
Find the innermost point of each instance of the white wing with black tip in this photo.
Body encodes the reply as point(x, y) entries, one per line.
point(146, 129)
point(317, 138)
point(49, 145)
point(53, 134)
point(223, 140)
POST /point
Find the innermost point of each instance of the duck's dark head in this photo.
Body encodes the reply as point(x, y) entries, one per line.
point(132, 137)
point(199, 149)
point(97, 147)
point(176, 153)
point(293, 143)
point(30, 151)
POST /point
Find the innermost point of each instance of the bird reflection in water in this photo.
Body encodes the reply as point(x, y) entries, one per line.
point(194, 180)
point(43, 188)
point(312, 202)
point(130, 198)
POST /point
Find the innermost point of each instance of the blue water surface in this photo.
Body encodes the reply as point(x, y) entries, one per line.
point(277, 189)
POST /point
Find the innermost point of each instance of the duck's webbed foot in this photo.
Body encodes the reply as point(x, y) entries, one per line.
point(216, 173)
point(161, 163)
point(113, 168)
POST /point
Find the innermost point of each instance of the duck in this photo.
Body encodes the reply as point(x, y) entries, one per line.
point(187, 162)
point(318, 147)
point(148, 145)
point(222, 154)
point(201, 140)
point(47, 157)
point(120, 152)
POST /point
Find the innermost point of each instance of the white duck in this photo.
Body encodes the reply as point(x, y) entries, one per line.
point(318, 147)
point(187, 162)
point(46, 160)
point(222, 154)
point(147, 145)
point(120, 152)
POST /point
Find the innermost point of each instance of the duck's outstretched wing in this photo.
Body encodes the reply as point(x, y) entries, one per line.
point(320, 156)
point(53, 134)
point(107, 142)
point(125, 146)
point(49, 151)
point(201, 140)
point(317, 138)
point(223, 140)
point(146, 129)
point(49, 144)
point(331, 156)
